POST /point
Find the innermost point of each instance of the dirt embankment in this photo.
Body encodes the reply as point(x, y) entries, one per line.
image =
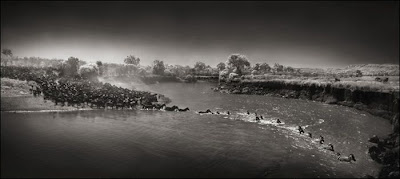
point(381, 103)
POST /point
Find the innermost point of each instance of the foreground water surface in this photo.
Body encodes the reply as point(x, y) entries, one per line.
point(128, 143)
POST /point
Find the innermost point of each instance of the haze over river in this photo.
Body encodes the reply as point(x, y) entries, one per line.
point(141, 143)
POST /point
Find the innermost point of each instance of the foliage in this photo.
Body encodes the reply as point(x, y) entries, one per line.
point(289, 69)
point(358, 73)
point(221, 66)
point(264, 68)
point(100, 67)
point(199, 67)
point(278, 67)
point(7, 52)
point(158, 67)
point(237, 62)
point(70, 67)
point(88, 71)
point(132, 60)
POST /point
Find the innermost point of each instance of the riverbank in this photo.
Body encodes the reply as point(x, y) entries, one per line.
point(376, 98)
point(16, 97)
point(188, 79)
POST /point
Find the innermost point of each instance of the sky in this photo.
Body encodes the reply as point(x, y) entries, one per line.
point(298, 34)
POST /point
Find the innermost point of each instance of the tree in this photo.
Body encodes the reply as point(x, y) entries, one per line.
point(7, 52)
point(158, 67)
point(289, 69)
point(89, 71)
point(71, 67)
point(132, 60)
point(100, 67)
point(358, 73)
point(221, 66)
point(264, 68)
point(199, 67)
point(256, 67)
point(237, 62)
point(278, 67)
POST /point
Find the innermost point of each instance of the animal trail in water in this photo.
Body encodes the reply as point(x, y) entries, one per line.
point(297, 133)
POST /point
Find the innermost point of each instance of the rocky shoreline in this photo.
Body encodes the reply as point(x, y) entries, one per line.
point(384, 104)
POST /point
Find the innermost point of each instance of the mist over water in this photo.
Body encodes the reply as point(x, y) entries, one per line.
point(141, 143)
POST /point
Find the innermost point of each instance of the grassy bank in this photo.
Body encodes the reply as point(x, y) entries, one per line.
point(14, 88)
point(365, 83)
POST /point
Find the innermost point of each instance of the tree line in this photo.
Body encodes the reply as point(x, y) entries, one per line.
point(236, 65)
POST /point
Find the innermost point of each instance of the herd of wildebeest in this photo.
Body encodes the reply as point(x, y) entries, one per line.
point(80, 92)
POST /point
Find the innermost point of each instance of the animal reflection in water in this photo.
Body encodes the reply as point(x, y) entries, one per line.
point(208, 111)
point(321, 139)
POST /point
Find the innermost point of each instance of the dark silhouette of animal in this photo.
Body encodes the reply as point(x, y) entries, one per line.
point(217, 112)
point(328, 147)
point(309, 134)
point(144, 106)
point(186, 109)
point(248, 113)
point(385, 80)
point(374, 139)
point(321, 139)
point(337, 79)
point(257, 118)
point(207, 111)
point(228, 113)
point(261, 117)
point(300, 130)
point(278, 121)
point(159, 106)
point(346, 158)
point(173, 108)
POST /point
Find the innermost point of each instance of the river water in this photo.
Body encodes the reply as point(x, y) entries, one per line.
point(141, 143)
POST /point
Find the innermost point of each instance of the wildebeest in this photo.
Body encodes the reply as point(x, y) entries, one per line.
point(182, 110)
point(346, 158)
point(207, 111)
point(382, 79)
point(328, 147)
point(300, 129)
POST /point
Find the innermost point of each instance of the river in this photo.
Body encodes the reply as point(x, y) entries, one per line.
point(141, 143)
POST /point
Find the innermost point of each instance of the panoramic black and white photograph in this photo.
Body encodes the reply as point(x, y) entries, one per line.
point(212, 89)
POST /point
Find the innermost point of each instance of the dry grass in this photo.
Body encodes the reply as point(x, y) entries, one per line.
point(366, 83)
point(11, 87)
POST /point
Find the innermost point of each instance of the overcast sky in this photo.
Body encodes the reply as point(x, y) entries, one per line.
point(300, 34)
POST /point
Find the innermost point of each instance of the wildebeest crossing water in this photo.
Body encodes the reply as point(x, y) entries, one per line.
point(152, 143)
